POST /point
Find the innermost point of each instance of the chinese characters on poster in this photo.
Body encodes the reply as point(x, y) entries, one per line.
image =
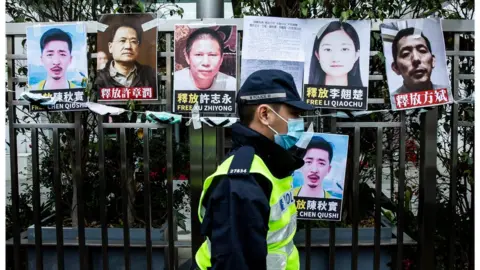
point(127, 57)
point(328, 58)
point(205, 68)
point(57, 64)
point(319, 184)
point(416, 63)
point(336, 64)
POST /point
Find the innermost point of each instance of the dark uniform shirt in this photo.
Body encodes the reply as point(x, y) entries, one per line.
point(238, 209)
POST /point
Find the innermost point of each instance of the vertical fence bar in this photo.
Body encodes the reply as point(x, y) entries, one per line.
point(169, 133)
point(355, 201)
point(13, 156)
point(220, 144)
point(428, 176)
point(103, 191)
point(125, 197)
point(308, 244)
point(79, 182)
point(58, 202)
point(209, 150)
point(378, 194)
point(392, 177)
point(36, 201)
point(331, 244)
point(401, 190)
point(196, 181)
point(454, 156)
point(471, 254)
point(308, 224)
point(147, 203)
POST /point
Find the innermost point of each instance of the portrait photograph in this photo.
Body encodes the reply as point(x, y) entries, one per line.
point(323, 173)
point(57, 56)
point(416, 63)
point(337, 53)
point(205, 57)
point(127, 56)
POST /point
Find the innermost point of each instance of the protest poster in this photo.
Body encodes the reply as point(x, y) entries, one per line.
point(336, 63)
point(205, 68)
point(127, 57)
point(416, 63)
point(319, 184)
point(57, 65)
point(273, 43)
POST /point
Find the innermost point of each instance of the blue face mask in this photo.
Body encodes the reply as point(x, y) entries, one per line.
point(296, 127)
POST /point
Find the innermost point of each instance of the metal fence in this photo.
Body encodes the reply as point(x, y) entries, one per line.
point(207, 149)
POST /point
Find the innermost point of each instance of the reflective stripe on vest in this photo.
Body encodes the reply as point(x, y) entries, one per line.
point(283, 233)
point(275, 261)
point(278, 235)
point(278, 260)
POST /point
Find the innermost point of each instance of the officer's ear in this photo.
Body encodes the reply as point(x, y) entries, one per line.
point(263, 114)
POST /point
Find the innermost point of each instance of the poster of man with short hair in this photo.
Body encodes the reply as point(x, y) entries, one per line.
point(205, 68)
point(337, 56)
point(127, 57)
point(416, 63)
point(319, 184)
point(57, 64)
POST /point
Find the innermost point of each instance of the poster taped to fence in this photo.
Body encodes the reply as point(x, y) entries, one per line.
point(319, 184)
point(273, 43)
point(127, 57)
point(416, 63)
point(337, 56)
point(205, 68)
point(57, 65)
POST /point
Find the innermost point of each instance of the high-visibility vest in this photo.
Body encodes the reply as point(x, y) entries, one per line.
point(282, 224)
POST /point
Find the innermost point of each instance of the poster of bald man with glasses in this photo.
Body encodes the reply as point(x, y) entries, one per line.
point(127, 55)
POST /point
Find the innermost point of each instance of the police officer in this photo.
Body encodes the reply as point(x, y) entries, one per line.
point(247, 211)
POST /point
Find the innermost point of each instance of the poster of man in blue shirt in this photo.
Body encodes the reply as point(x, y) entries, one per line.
point(57, 57)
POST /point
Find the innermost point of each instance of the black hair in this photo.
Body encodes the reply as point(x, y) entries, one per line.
point(128, 25)
point(317, 75)
point(320, 143)
point(246, 113)
point(405, 33)
point(201, 33)
point(55, 34)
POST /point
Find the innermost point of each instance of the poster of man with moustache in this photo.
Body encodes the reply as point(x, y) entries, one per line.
point(319, 184)
point(57, 64)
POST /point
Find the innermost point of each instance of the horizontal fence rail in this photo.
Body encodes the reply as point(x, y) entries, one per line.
point(203, 162)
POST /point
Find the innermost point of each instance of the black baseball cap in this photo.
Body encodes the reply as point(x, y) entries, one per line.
point(271, 86)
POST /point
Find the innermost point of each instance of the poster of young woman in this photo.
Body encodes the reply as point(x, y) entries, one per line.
point(319, 184)
point(127, 57)
point(337, 56)
point(205, 68)
point(416, 63)
point(57, 64)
